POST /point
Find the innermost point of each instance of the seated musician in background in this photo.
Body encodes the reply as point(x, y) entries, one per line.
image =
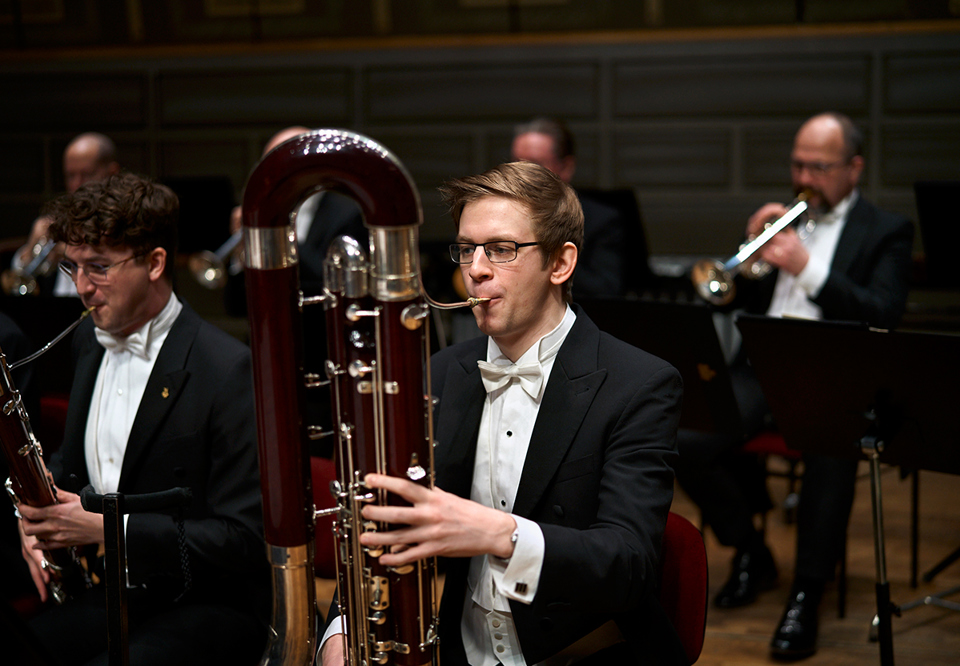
point(88, 157)
point(161, 399)
point(555, 446)
point(601, 269)
point(322, 217)
point(855, 266)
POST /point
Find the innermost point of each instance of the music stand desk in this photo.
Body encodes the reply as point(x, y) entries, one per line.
point(684, 335)
point(885, 395)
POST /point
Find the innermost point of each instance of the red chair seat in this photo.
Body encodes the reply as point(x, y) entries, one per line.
point(770, 442)
point(683, 582)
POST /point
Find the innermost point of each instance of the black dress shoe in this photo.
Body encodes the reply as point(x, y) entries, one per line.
point(796, 637)
point(753, 572)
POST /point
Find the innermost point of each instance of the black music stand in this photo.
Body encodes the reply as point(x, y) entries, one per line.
point(113, 506)
point(684, 335)
point(884, 395)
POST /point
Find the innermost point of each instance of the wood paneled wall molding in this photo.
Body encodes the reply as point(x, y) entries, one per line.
point(698, 122)
point(245, 96)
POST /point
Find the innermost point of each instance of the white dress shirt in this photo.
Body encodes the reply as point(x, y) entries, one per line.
point(123, 375)
point(792, 293)
point(509, 415)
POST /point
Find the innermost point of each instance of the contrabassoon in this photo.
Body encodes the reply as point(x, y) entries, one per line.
point(378, 333)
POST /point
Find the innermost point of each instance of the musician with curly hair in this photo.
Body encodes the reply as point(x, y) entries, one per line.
point(160, 399)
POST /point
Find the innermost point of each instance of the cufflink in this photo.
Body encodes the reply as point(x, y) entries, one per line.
point(520, 588)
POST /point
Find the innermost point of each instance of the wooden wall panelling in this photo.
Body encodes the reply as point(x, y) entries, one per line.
point(699, 127)
point(740, 86)
point(24, 169)
point(473, 92)
point(695, 223)
point(919, 150)
point(493, 16)
point(727, 12)
point(274, 97)
point(765, 154)
point(68, 101)
point(921, 83)
point(672, 156)
point(229, 20)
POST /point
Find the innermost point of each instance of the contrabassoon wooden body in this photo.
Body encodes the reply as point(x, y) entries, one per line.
point(377, 321)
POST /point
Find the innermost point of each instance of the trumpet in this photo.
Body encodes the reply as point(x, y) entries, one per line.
point(714, 280)
point(23, 281)
point(209, 268)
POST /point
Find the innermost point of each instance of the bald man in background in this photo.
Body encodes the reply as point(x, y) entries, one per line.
point(88, 157)
point(322, 217)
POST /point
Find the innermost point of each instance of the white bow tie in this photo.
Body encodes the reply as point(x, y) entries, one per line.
point(134, 343)
point(498, 376)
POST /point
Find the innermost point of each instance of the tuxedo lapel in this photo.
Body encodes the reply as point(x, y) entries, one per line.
point(571, 389)
point(162, 390)
point(458, 427)
point(89, 357)
point(854, 234)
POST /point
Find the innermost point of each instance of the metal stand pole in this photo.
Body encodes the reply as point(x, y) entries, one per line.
point(118, 651)
point(872, 447)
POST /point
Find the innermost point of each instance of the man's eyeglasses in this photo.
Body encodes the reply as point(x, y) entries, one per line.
point(96, 273)
point(817, 168)
point(498, 252)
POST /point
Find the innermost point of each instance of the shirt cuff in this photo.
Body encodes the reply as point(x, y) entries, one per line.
point(335, 627)
point(518, 577)
point(813, 276)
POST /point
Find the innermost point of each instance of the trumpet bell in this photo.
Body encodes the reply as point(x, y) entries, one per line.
point(17, 283)
point(208, 269)
point(713, 282)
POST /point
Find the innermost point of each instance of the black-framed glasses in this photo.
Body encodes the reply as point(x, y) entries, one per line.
point(96, 273)
point(498, 252)
point(818, 168)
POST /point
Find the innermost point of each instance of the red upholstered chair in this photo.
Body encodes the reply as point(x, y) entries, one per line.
point(49, 424)
point(322, 472)
point(683, 582)
point(770, 443)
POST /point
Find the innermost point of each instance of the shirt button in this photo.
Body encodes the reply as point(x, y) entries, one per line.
point(496, 624)
point(500, 648)
point(498, 636)
point(119, 391)
point(509, 433)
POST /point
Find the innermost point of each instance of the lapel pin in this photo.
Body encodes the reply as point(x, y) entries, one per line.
point(166, 392)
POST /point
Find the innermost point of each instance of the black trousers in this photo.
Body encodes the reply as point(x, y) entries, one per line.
point(729, 488)
point(162, 634)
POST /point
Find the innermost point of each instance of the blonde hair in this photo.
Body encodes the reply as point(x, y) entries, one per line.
point(553, 205)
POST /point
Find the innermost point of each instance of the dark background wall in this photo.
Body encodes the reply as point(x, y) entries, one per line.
point(697, 119)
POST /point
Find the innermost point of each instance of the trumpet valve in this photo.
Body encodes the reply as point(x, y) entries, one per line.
point(712, 281)
point(207, 269)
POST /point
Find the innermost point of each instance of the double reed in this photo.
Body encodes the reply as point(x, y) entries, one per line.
point(377, 321)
